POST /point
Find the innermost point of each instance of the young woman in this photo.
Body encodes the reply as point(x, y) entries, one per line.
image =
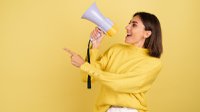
point(126, 71)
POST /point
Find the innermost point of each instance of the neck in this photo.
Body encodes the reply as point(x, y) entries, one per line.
point(139, 44)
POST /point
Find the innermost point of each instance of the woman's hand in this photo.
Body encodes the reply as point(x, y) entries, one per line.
point(96, 37)
point(76, 59)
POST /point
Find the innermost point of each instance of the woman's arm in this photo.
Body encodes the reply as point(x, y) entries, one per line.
point(139, 80)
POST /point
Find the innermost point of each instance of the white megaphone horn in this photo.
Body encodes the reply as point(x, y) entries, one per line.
point(106, 25)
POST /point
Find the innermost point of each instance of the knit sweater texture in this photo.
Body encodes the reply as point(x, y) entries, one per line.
point(126, 73)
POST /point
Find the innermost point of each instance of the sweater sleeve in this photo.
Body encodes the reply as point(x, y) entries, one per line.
point(98, 62)
point(138, 80)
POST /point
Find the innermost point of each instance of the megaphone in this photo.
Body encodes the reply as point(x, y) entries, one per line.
point(105, 24)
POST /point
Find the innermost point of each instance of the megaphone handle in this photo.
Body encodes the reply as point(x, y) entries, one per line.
point(88, 59)
point(91, 39)
point(101, 29)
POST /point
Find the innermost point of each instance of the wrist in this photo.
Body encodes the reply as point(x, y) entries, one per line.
point(95, 46)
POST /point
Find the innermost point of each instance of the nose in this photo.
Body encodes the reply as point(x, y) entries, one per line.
point(127, 27)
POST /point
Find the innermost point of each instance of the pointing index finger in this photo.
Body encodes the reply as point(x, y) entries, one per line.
point(69, 51)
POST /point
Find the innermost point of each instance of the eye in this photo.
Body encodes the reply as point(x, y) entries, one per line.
point(134, 25)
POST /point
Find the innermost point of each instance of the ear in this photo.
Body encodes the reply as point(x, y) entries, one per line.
point(147, 34)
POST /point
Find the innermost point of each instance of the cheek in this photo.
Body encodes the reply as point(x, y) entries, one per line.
point(138, 34)
point(135, 38)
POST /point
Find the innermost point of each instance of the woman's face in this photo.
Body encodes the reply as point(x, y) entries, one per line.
point(136, 33)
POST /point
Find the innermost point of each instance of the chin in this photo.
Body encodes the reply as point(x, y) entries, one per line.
point(126, 41)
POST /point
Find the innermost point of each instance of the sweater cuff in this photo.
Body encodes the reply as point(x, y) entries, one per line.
point(91, 70)
point(94, 53)
point(94, 50)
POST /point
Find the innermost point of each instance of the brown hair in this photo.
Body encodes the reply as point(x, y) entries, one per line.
point(154, 42)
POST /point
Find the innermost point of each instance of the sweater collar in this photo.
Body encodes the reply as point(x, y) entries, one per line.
point(138, 49)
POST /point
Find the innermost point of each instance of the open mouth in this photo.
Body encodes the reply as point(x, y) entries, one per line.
point(128, 35)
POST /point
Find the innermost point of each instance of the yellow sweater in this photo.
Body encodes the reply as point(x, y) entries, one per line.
point(126, 73)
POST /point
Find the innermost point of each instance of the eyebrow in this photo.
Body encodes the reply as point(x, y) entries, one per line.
point(134, 22)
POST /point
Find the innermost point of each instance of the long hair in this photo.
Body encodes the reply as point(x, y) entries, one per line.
point(154, 42)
